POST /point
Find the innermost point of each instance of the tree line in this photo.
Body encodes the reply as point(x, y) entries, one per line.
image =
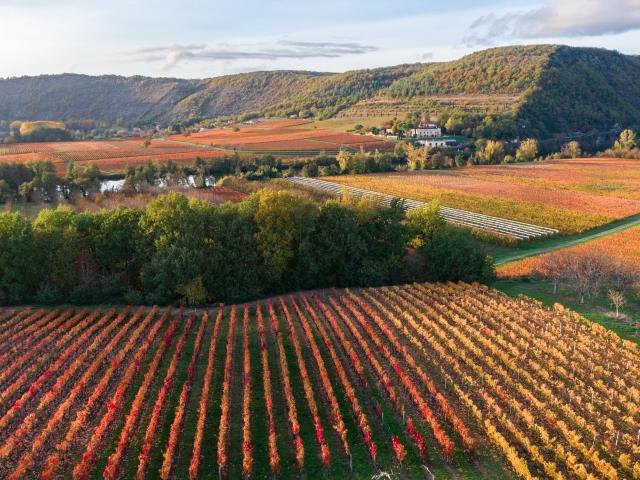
point(589, 274)
point(194, 252)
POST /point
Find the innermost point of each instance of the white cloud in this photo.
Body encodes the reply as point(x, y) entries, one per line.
point(558, 19)
point(171, 55)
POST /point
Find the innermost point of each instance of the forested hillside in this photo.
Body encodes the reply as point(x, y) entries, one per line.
point(583, 89)
point(510, 70)
point(546, 89)
point(109, 97)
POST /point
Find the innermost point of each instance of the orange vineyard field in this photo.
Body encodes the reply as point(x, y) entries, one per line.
point(284, 136)
point(108, 155)
point(570, 195)
point(625, 244)
point(441, 379)
point(278, 137)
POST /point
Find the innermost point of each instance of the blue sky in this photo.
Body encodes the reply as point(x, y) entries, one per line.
point(198, 39)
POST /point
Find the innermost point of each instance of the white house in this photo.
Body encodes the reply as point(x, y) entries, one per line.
point(425, 130)
point(438, 142)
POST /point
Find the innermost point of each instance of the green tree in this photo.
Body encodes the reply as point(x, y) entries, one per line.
point(423, 223)
point(453, 254)
point(176, 228)
point(5, 190)
point(121, 247)
point(454, 125)
point(19, 259)
point(56, 237)
point(284, 236)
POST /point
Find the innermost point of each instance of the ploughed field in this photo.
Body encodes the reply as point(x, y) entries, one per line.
point(283, 137)
point(435, 379)
point(569, 195)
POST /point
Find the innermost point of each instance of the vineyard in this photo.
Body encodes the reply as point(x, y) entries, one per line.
point(284, 137)
point(108, 155)
point(569, 195)
point(277, 137)
point(624, 245)
point(429, 381)
point(497, 226)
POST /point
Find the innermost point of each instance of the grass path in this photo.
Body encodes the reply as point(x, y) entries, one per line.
point(558, 243)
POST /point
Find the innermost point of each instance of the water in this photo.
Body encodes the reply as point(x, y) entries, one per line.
point(189, 181)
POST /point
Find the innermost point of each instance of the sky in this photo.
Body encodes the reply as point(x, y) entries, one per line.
point(202, 39)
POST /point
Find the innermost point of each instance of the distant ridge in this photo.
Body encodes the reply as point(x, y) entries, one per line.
point(549, 89)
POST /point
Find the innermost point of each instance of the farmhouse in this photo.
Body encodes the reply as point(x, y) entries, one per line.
point(425, 130)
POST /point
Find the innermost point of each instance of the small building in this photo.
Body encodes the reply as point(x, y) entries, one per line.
point(425, 130)
point(439, 142)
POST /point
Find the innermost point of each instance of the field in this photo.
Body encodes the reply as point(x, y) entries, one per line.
point(507, 230)
point(277, 137)
point(625, 244)
point(418, 379)
point(569, 195)
point(108, 155)
point(284, 137)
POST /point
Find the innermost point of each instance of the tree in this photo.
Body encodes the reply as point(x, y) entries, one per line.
point(56, 237)
point(454, 125)
point(345, 161)
point(626, 141)
point(490, 151)
point(120, 245)
point(19, 259)
point(527, 151)
point(175, 227)
point(284, 235)
point(571, 150)
point(423, 223)
point(617, 300)
point(556, 268)
point(454, 255)
point(417, 157)
point(5, 190)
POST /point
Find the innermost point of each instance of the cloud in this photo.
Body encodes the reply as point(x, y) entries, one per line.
point(426, 56)
point(171, 55)
point(558, 19)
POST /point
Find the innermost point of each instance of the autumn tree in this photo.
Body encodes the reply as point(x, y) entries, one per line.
point(527, 151)
point(490, 152)
point(571, 150)
point(626, 141)
point(417, 157)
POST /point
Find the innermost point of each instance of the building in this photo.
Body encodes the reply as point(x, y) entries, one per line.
point(425, 130)
point(439, 142)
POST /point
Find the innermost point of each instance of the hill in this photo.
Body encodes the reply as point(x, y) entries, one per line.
point(548, 89)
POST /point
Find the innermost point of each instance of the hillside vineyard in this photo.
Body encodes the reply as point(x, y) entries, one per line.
point(423, 378)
